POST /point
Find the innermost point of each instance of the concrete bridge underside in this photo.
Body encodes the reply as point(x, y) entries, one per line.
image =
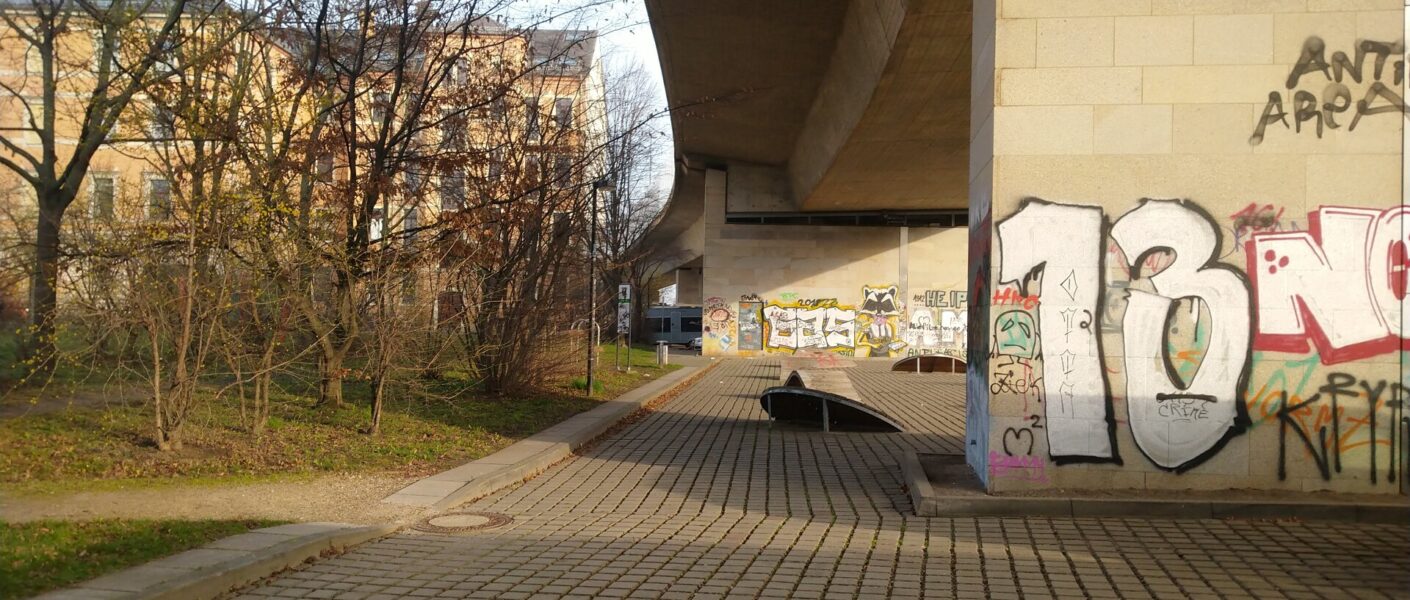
point(814, 106)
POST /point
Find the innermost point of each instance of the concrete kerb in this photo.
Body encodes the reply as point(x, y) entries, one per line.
point(534, 454)
point(948, 500)
point(216, 568)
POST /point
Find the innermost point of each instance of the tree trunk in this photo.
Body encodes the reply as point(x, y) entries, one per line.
point(379, 385)
point(43, 290)
point(330, 389)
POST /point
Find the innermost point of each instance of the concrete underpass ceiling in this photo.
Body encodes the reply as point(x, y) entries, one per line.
point(859, 105)
point(741, 74)
point(910, 148)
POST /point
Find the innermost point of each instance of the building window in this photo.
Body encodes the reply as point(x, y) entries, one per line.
point(452, 128)
point(380, 103)
point(163, 125)
point(563, 112)
point(531, 110)
point(33, 58)
point(658, 325)
point(409, 224)
point(159, 206)
point(496, 166)
point(324, 167)
point(563, 170)
point(104, 190)
point(690, 324)
point(376, 225)
point(452, 191)
point(166, 56)
point(462, 71)
point(532, 169)
point(99, 45)
point(34, 120)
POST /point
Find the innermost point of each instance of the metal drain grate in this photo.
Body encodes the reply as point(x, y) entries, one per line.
point(462, 522)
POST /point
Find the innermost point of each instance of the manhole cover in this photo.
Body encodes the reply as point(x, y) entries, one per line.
point(462, 522)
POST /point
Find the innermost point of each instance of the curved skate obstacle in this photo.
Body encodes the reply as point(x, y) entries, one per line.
point(800, 402)
point(932, 363)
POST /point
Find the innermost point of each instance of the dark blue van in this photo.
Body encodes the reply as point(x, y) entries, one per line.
point(676, 325)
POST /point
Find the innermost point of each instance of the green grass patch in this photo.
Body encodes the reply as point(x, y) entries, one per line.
point(39, 556)
point(109, 447)
point(580, 383)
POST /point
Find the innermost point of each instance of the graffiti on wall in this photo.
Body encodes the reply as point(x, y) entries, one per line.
point(937, 323)
point(1056, 252)
point(806, 324)
point(1060, 246)
point(719, 325)
point(1340, 285)
point(751, 331)
point(1331, 419)
point(878, 316)
point(976, 422)
point(1320, 90)
point(1187, 326)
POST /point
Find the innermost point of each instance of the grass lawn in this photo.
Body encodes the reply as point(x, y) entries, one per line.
point(109, 447)
point(39, 556)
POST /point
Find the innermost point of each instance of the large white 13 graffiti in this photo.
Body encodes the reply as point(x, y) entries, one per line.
point(1065, 242)
point(1175, 425)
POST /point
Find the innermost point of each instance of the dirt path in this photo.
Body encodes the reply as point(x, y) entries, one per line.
point(338, 498)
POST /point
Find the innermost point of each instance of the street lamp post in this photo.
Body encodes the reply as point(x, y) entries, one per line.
point(605, 185)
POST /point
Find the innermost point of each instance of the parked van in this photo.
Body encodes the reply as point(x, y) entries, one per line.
point(676, 325)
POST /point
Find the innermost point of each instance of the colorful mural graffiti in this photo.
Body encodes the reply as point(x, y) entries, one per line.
point(879, 315)
point(937, 323)
point(751, 330)
point(877, 326)
point(719, 324)
point(820, 324)
point(1177, 349)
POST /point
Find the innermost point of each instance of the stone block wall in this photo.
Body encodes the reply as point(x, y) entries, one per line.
point(1197, 266)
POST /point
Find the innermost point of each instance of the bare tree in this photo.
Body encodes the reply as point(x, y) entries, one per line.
point(634, 144)
point(85, 64)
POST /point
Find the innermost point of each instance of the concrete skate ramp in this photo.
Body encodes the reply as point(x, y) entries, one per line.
point(929, 364)
point(825, 410)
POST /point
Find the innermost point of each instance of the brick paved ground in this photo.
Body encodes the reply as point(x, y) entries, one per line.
point(702, 500)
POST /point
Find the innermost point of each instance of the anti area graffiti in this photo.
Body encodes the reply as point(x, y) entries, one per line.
point(1056, 252)
point(1321, 95)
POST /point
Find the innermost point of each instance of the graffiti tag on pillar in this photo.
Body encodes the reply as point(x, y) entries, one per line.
point(1060, 247)
point(1177, 419)
point(1339, 285)
point(1176, 424)
point(1334, 105)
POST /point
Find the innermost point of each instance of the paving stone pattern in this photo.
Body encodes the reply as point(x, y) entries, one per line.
point(703, 499)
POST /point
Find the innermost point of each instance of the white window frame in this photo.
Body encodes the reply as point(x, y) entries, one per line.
point(93, 193)
point(148, 181)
